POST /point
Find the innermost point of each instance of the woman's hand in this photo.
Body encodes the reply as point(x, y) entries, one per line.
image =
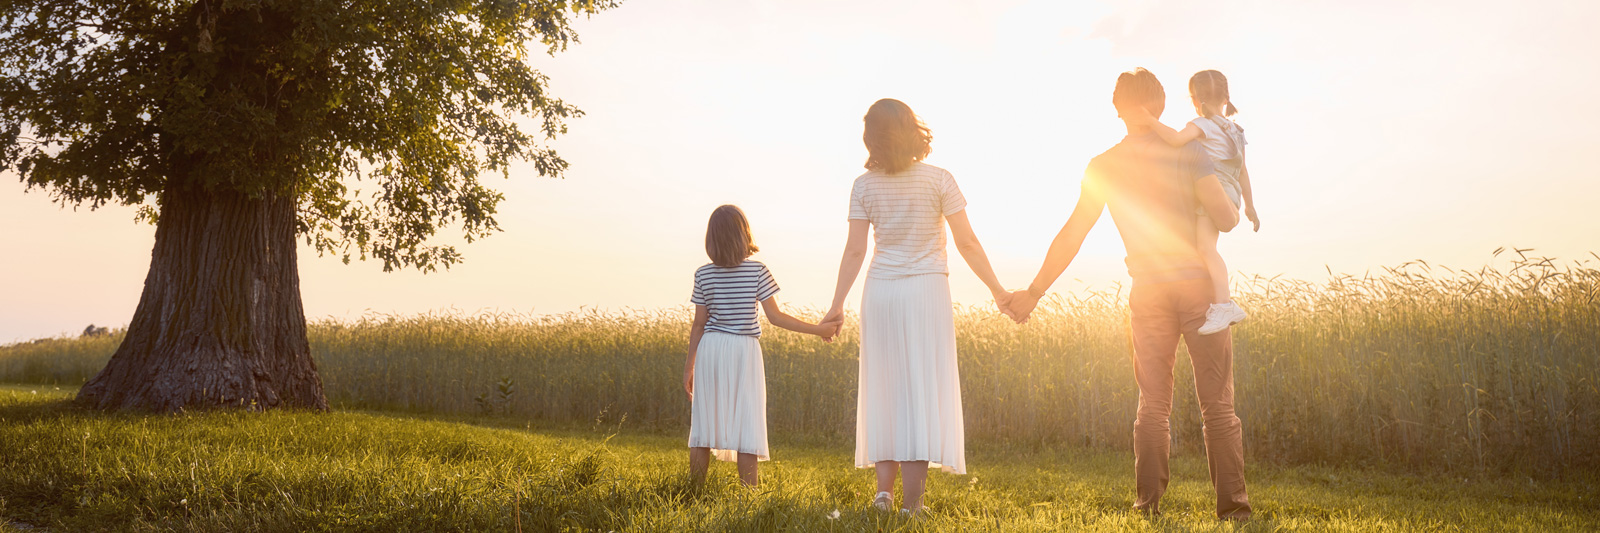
point(1250, 213)
point(1022, 304)
point(1002, 300)
point(688, 379)
point(835, 315)
point(829, 327)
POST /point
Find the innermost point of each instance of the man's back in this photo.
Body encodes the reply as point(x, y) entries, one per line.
point(1149, 187)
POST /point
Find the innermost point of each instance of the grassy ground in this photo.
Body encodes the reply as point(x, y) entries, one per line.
point(354, 471)
point(1416, 368)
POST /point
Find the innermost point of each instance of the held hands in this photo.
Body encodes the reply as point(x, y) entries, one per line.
point(829, 326)
point(1021, 305)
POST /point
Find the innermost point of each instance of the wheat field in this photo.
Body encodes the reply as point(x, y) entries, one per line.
point(1418, 367)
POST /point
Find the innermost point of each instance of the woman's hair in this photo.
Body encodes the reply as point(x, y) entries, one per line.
point(1210, 88)
point(1139, 87)
point(895, 137)
point(728, 239)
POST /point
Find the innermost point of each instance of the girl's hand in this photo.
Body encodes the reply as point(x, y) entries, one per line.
point(1250, 213)
point(1139, 116)
point(688, 380)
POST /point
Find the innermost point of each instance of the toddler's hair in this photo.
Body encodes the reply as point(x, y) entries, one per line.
point(728, 239)
point(1211, 88)
point(894, 136)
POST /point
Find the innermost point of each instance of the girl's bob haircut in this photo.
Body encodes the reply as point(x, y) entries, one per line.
point(894, 136)
point(728, 240)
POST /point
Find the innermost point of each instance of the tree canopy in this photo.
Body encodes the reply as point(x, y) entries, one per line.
point(379, 118)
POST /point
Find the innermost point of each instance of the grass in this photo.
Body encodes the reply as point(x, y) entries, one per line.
point(74, 470)
point(1418, 367)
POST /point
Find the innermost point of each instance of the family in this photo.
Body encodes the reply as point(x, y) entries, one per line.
point(1170, 193)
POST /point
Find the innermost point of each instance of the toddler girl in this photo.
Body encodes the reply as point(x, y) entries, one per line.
point(1224, 141)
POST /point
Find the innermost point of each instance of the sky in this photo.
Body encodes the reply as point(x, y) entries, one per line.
point(1380, 133)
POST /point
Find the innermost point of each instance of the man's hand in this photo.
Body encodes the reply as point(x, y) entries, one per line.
point(1250, 213)
point(1022, 305)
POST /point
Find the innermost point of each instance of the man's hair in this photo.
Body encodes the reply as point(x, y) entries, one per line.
point(1137, 87)
point(894, 136)
point(728, 240)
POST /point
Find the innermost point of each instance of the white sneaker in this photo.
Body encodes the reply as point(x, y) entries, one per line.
point(883, 501)
point(1220, 316)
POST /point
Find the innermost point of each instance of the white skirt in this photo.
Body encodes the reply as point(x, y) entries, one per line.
point(909, 405)
point(729, 411)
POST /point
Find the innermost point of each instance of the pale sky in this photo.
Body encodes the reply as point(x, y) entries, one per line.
point(1380, 132)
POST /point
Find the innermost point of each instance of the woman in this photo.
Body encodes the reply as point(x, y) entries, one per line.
point(908, 407)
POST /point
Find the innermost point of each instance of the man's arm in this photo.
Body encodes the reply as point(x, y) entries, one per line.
point(1216, 203)
point(1062, 250)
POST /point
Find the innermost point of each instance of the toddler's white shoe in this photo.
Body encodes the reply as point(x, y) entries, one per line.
point(1220, 316)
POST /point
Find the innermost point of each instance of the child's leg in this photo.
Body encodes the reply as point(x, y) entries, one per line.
point(748, 473)
point(887, 470)
point(915, 482)
point(1206, 240)
point(699, 460)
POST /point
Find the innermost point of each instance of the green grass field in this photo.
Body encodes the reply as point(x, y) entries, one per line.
point(1418, 368)
point(72, 470)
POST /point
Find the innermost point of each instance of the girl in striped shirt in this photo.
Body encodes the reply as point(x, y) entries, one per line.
point(728, 416)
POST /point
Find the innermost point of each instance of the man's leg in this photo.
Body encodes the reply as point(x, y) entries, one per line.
point(1212, 356)
point(1155, 345)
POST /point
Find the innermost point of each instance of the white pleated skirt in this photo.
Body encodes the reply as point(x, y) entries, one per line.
point(908, 407)
point(729, 411)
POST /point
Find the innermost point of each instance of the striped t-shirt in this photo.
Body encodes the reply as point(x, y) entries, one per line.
point(731, 294)
point(907, 211)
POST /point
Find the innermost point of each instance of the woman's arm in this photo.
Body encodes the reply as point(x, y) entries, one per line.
point(855, 251)
point(701, 315)
point(777, 317)
point(972, 251)
point(1249, 199)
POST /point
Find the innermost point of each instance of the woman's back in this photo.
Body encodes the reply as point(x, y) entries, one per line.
point(907, 211)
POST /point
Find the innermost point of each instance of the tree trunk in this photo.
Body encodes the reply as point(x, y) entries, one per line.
point(220, 323)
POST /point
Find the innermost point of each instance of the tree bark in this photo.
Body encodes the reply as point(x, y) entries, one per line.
point(220, 323)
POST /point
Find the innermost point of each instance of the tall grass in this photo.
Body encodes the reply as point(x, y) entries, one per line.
point(1418, 366)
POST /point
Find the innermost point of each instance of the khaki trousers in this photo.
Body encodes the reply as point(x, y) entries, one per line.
point(1163, 312)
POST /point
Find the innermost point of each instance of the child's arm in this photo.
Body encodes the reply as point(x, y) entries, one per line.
point(777, 317)
point(701, 315)
point(1173, 137)
point(1249, 199)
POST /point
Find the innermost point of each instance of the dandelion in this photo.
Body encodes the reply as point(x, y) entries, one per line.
point(833, 515)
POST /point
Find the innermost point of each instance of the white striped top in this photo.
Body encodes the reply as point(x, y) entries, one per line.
point(907, 211)
point(730, 294)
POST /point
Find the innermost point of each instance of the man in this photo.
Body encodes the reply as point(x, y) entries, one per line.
point(1153, 191)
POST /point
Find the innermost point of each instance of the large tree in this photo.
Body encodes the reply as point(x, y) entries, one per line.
point(241, 127)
